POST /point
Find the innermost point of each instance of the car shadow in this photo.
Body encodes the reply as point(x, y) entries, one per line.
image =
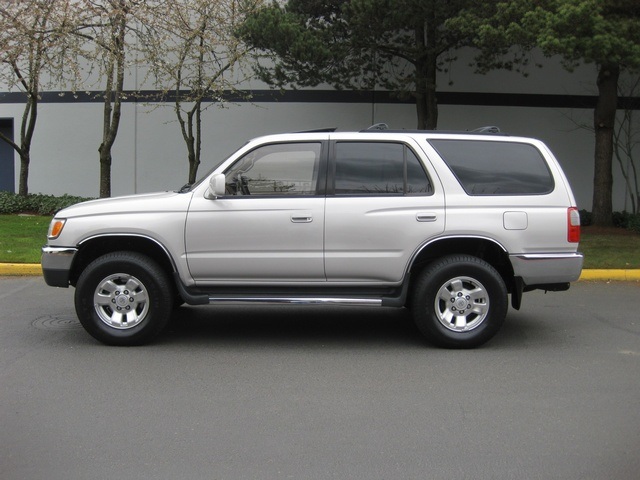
point(304, 326)
point(323, 326)
point(315, 325)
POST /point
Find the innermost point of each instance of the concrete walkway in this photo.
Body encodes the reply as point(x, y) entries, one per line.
point(24, 269)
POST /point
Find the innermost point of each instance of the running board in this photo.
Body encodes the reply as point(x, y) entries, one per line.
point(239, 300)
point(359, 299)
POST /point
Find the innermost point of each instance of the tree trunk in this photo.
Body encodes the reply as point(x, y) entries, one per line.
point(426, 65)
point(104, 150)
point(191, 157)
point(425, 78)
point(23, 179)
point(105, 171)
point(604, 121)
point(431, 69)
point(27, 130)
point(421, 110)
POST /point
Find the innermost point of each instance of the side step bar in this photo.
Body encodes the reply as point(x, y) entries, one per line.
point(311, 298)
point(240, 300)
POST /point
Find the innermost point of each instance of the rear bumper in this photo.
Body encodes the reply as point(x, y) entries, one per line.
point(56, 265)
point(547, 268)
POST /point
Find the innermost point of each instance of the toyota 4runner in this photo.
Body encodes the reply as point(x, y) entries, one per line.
point(446, 224)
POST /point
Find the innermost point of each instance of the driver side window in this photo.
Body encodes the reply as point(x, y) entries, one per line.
point(279, 169)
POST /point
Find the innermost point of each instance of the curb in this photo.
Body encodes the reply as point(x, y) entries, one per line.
point(20, 269)
point(34, 269)
point(613, 274)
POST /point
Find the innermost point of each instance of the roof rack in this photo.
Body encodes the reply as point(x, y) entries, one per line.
point(487, 129)
point(383, 127)
point(319, 130)
point(490, 129)
point(379, 126)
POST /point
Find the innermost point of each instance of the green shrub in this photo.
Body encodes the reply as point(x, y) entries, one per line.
point(11, 203)
point(621, 219)
point(626, 220)
point(634, 223)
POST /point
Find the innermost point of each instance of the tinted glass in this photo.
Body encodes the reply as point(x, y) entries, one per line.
point(282, 169)
point(496, 168)
point(378, 169)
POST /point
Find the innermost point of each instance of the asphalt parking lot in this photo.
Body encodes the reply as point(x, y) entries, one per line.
point(322, 393)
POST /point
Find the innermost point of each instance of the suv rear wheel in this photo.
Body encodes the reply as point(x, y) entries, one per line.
point(459, 301)
point(123, 298)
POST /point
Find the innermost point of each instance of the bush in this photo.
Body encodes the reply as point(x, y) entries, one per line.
point(621, 219)
point(11, 203)
point(626, 220)
point(634, 223)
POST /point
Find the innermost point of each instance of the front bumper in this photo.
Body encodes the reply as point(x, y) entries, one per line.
point(547, 268)
point(56, 265)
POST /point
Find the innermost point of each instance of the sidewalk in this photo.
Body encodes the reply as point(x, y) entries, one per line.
point(22, 269)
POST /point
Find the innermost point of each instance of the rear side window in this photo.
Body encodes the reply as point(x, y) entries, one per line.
point(379, 168)
point(496, 168)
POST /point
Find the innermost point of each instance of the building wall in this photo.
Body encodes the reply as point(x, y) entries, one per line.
point(150, 155)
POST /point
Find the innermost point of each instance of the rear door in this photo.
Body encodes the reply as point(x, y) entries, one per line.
point(384, 201)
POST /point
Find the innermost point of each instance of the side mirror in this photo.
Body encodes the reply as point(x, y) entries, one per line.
point(217, 186)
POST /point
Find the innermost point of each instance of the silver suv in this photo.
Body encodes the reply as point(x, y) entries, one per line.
point(446, 224)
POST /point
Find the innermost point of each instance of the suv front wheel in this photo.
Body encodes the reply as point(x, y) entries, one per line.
point(459, 301)
point(123, 298)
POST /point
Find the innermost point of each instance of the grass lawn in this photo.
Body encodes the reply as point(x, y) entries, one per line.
point(22, 237)
point(610, 248)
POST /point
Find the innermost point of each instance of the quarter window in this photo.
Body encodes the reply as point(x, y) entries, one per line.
point(279, 169)
point(496, 168)
point(378, 169)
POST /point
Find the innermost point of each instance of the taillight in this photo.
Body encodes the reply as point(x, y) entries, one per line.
point(573, 225)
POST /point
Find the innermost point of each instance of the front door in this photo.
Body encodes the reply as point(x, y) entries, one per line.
point(269, 225)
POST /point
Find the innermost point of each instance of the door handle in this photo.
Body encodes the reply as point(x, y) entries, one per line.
point(426, 217)
point(302, 219)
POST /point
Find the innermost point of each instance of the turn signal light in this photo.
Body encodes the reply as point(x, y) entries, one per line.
point(55, 228)
point(573, 225)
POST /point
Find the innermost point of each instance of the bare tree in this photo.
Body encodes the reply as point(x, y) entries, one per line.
point(196, 59)
point(33, 54)
point(107, 27)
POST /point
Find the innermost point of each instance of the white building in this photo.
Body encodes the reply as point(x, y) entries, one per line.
point(149, 153)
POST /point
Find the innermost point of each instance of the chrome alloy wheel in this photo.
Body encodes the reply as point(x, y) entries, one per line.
point(121, 301)
point(462, 304)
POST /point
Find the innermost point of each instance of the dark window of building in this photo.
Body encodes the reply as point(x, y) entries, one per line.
point(7, 155)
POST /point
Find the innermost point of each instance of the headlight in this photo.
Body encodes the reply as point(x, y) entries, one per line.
point(55, 228)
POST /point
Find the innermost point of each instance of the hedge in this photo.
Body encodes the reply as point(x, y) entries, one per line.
point(40, 204)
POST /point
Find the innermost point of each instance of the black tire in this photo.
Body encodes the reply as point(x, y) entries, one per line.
point(459, 301)
point(123, 298)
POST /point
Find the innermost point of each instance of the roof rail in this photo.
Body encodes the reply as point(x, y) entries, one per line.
point(379, 126)
point(319, 130)
point(487, 129)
